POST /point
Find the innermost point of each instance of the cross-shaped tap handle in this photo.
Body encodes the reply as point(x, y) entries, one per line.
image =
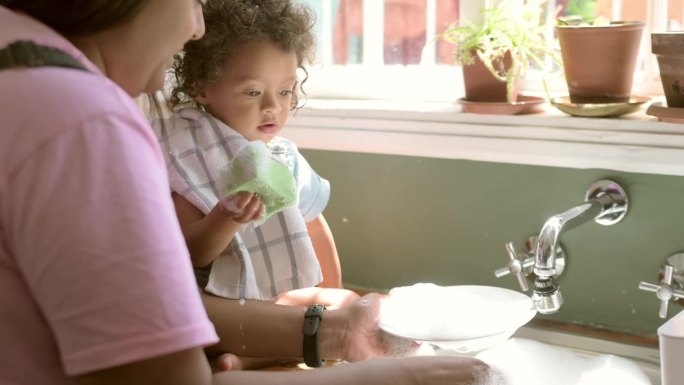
point(665, 292)
point(515, 266)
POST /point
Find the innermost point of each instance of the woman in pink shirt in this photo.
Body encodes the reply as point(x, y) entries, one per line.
point(96, 285)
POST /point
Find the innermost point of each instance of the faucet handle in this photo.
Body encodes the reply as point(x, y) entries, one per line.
point(515, 266)
point(665, 291)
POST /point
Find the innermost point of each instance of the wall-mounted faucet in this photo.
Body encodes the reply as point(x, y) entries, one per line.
point(605, 202)
point(671, 283)
point(521, 264)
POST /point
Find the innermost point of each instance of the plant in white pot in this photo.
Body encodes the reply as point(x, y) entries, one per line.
point(511, 39)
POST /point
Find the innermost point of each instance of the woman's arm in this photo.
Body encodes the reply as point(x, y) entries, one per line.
point(326, 252)
point(208, 235)
point(264, 329)
point(181, 368)
point(190, 367)
point(434, 370)
point(268, 330)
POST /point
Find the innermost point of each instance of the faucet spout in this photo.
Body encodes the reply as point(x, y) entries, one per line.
point(545, 253)
point(605, 202)
point(547, 295)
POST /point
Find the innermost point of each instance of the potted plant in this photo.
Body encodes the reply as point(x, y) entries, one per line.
point(599, 58)
point(668, 47)
point(510, 39)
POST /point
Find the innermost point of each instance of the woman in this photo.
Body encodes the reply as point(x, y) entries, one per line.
point(96, 285)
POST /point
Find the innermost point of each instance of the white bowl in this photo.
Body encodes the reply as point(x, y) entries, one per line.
point(464, 318)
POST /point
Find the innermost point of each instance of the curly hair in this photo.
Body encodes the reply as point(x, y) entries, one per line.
point(231, 24)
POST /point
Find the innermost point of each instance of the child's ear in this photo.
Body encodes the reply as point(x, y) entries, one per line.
point(202, 98)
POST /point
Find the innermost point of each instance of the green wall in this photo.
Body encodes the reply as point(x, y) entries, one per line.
point(401, 220)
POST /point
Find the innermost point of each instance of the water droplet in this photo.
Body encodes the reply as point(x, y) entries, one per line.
point(345, 220)
point(244, 347)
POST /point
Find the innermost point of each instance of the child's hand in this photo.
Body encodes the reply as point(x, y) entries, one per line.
point(242, 207)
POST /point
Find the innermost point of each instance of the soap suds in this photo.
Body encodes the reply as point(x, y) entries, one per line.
point(394, 346)
point(527, 362)
point(488, 377)
point(429, 312)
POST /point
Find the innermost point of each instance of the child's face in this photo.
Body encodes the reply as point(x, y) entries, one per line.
point(254, 93)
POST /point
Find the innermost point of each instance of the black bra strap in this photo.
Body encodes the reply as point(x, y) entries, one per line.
point(25, 53)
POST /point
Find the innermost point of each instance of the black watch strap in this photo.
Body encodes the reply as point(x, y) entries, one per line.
point(312, 323)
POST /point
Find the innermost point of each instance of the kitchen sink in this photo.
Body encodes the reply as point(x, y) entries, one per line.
point(536, 355)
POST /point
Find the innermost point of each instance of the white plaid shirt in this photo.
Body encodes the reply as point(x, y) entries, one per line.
point(261, 262)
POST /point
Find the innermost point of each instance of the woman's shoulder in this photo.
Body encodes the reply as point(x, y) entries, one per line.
point(49, 102)
point(70, 96)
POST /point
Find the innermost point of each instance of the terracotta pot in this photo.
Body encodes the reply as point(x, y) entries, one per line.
point(599, 61)
point(481, 85)
point(669, 50)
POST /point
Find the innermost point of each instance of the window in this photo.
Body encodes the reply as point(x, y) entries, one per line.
point(666, 15)
point(387, 49)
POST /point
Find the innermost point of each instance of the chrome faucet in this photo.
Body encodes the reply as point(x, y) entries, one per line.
point(605, 203)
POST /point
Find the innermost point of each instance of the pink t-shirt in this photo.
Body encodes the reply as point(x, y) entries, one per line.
point(94, 271)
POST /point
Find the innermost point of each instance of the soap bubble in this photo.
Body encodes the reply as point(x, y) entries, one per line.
point(528, 362)
point(488, 377)
point(394, 346)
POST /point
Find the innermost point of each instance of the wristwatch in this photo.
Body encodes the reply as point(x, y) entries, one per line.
point(312, 322)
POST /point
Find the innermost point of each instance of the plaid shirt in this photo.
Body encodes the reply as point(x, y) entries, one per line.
point(263, 261)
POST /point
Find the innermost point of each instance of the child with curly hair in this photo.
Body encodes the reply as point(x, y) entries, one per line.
point(235, 85)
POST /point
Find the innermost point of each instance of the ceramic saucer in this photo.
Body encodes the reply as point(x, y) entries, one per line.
point(666, 114)
point(525, 104)
point(599, 110)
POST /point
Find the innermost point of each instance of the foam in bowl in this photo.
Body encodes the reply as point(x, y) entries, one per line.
point(465, 318)
point(255, 170)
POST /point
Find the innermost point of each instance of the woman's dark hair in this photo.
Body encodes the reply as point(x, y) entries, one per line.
point(229, 25)
point(78, 17)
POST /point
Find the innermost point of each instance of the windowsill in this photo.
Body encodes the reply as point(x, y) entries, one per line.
point(633, 143)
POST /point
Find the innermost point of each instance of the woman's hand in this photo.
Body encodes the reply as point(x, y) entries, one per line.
point(353, 332)
point(242, 207)
point(434, 370)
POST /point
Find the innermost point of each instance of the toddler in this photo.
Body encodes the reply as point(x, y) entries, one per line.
point(235, 85)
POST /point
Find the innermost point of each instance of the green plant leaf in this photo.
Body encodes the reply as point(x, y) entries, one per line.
point(509, 27)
